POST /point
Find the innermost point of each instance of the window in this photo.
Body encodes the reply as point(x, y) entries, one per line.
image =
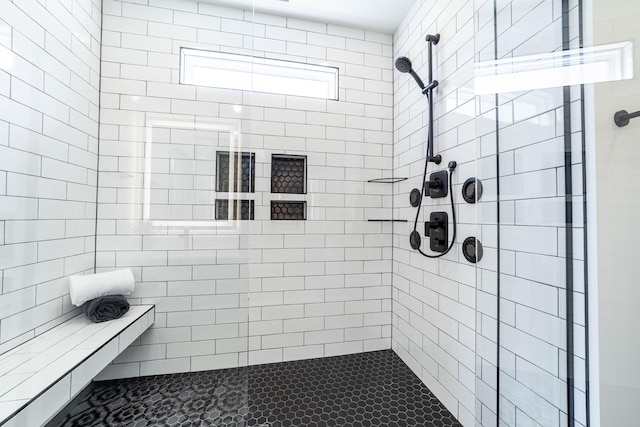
point(232, 71)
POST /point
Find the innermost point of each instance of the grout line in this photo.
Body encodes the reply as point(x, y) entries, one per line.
point(95, 234)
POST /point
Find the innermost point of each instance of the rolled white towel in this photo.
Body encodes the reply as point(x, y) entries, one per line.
point(90, 286)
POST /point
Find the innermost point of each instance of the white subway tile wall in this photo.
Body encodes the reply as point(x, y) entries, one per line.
point(228, 293)
point(49, 102)
point(434, 318)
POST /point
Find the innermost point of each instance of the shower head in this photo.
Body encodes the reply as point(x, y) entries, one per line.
point(403, 64)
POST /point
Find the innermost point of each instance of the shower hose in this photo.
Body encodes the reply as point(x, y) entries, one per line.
point(452, 167)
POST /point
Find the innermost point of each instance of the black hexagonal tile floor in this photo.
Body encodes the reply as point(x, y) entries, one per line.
point(367, 389)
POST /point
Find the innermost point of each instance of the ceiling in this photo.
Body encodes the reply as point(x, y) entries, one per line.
point(376, 15)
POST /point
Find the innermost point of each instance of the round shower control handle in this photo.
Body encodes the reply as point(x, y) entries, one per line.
point(415, 197)
point(415, 240)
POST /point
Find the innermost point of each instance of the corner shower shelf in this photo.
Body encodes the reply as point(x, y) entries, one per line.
point(390, 180)
point(387, 180)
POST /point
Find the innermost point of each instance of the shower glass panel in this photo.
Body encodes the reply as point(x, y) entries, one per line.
point(320, 246)
point(531, 299)
point(159, 191)
point(177, 187)
point(557, 336)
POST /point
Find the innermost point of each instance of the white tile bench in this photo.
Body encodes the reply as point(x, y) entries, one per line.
point(39, 377)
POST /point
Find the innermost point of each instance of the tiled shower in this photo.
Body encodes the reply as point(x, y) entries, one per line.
point(264, 290)
point(270, 231)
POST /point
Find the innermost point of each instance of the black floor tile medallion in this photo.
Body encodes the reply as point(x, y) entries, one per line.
point(369, 389)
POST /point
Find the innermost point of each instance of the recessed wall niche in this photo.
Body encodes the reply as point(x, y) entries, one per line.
point(241, 210)
point(288, 174)
point(236, 168)
point(281, 210)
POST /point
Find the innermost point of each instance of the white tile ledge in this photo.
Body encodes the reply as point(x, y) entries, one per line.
point(42, 375)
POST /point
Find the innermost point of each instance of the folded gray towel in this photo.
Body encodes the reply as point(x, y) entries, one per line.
point(106, 308)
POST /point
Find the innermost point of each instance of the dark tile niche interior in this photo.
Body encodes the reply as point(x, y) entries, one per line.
point(288, 174)
point(242, 210)
point(365, 389)
point(287, 211)
point(244, 172)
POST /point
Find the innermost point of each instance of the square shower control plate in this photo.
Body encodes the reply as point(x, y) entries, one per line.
point(437, 230)
point(442, 190)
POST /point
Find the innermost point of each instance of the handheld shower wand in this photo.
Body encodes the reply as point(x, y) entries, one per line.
point(404, 65)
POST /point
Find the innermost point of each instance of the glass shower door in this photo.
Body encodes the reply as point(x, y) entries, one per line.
point(556, 301)
point(529, 220)
point(181, 209)
point(176, 178)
